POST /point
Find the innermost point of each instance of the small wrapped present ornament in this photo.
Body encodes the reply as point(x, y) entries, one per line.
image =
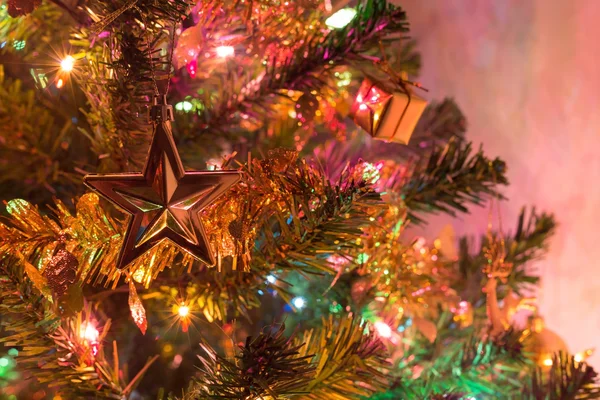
point(389, 115)
point(17, 8)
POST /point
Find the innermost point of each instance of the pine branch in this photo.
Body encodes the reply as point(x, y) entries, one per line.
point(37, 161)
point(123, 53)
point(91, 234)
point(298, 216)
point(465, 368)
point(285, 215)
point(320, 218)
point(36, 31)
point(477, 352)
point(47, 350)
point(269, 365)
point(567, 379)
point(451, 179)
point(407, 59)
point(529, 243)
point(338, 361)
point(439, 123)
point(350, 363)
point(305, 69)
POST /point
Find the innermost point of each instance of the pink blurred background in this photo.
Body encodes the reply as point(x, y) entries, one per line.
point(526, 73)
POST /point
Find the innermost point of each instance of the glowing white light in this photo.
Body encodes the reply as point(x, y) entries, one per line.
point(185, 106)
point(225, 51)
point(60, 83)
point(299, 302)
point(271, 278)
point(578, 357)
point(89, 332)
point(341, 18)
point(383, 329)
point(183, 311)
point(67, 64)
point(548, 362)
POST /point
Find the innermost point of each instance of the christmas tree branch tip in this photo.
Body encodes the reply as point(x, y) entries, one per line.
point(315, 365)
point(451, 179)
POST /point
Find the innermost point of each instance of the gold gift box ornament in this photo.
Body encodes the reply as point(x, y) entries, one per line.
point(389, 115)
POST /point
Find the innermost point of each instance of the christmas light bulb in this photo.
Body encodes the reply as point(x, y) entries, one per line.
point(578, 357)
point(299, 302)
point(67, 64)
point(271, 278)
point(383, 329)
point(547, 362)
point(183, 311)
point(89, 332)
point(60, 83)
point(184, 106)
point(225, 51)
point(341, 18)
point(192, 68)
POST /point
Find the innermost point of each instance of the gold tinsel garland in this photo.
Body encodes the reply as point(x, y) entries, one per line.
point(274, 189)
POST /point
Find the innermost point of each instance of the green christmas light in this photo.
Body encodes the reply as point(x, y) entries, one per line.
point(341, 18)
point(19, 44)
point(362, 258)
point(184, 106)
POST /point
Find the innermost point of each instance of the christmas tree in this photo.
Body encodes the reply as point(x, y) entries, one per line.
point(252, 241)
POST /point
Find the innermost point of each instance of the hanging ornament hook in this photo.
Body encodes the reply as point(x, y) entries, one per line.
point(160, 110)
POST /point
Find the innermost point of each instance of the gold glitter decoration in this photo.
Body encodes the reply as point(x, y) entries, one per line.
point(496, 269)
point(495, 254)
point(39, 282)
point(271, 191)
point(138, 312)
point(233, 224)
point(17, 8)
point(61, 271)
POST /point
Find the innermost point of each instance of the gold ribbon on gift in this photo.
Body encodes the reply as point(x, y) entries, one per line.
point(402, 82)
point(400, 79)
point(371, 107)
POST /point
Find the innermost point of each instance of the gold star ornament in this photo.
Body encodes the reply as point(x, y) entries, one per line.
point(164, 201)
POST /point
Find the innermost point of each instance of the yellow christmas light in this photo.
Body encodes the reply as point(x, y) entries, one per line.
point(583, 355)
point(183, 311)
point(67, 64)
point(89, 332)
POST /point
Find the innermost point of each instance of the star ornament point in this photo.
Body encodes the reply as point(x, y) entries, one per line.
point(163, 201)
